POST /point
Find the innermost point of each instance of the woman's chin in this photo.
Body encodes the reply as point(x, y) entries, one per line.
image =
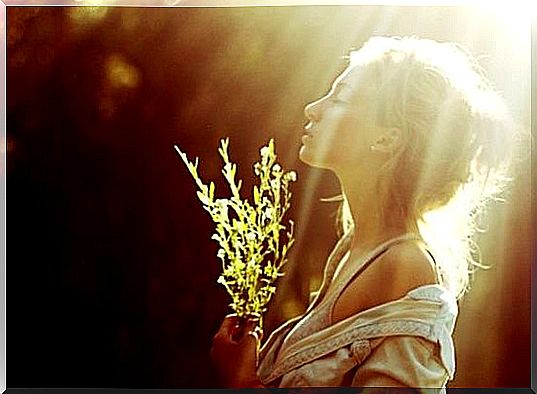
point(308, 157)
point(304, 155)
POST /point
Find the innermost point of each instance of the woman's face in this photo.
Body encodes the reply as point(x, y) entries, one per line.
point(342, 124)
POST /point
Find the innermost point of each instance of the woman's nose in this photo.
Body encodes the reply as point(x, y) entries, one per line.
point(312, 111)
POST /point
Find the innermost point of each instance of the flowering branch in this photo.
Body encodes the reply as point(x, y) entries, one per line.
point(251, 251)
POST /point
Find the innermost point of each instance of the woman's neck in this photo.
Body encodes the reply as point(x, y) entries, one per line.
point(374, 223)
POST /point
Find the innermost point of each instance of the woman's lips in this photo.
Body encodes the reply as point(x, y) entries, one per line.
point(306, 136)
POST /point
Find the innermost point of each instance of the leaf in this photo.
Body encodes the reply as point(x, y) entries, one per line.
point(203, 198)
point(211, 190)
point(256, 195)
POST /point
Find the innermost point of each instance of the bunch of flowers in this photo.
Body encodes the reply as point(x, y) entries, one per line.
point(252, 249)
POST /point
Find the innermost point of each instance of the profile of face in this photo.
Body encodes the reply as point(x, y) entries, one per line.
point(342, 132)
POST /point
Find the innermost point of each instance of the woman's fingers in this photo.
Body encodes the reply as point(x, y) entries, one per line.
point(254, 334)
point(250, 328)
point(235, 350)
point(250, 325)
point(227, 327)
point(237, 329)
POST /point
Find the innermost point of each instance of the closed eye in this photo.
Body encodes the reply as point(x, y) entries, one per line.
point(335, 100)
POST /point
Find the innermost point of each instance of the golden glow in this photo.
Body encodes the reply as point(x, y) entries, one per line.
point(291, 308)
point(81, 16)
point(513, 18)
point(120, 73)
point(315, 283)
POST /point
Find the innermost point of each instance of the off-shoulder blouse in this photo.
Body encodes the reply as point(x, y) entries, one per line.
point(407, 340)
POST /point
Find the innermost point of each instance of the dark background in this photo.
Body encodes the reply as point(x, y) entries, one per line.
point(112, 273)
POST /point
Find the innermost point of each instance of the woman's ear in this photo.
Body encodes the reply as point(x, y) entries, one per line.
point(389, 141)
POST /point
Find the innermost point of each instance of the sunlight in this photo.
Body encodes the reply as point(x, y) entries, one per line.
point(514, 18)
point(120, 73)
point(81, 16)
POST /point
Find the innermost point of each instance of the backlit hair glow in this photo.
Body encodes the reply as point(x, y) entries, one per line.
point(458, 145)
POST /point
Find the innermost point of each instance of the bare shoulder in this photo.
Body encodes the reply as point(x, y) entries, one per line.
point(408, 265)
point(403, 267)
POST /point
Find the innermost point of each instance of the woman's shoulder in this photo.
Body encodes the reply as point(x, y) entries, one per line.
point(409, 264)
point(403, 267)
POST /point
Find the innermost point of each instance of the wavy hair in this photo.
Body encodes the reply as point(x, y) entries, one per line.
point(459, 142)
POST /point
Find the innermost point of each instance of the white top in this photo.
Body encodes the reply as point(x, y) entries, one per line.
point(407, 340)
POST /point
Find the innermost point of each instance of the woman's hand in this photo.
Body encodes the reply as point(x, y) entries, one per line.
point(234, 352)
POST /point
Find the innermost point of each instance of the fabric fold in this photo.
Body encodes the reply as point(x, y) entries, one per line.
point(428, 312)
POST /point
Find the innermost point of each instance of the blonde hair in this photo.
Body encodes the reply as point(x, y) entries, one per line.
point(458, 145)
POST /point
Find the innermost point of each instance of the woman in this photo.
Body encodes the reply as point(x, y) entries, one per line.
point(419, 141)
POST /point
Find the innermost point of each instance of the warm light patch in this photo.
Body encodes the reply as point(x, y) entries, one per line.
point(81, 16)
point(291, 308)
point(514, 19)
point(121, 74)
point(315, 283)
